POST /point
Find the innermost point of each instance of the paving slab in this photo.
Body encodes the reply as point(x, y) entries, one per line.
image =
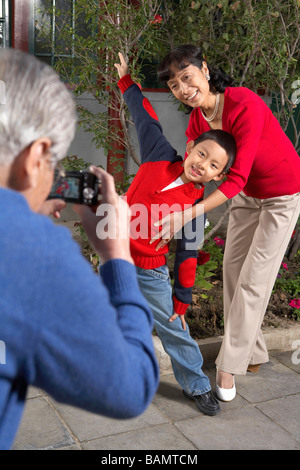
point(273, 381)
point(163, 436)
point(265, 415)
point(243, 428)
point(87, 426)
point(42, 428)
point(285, 411)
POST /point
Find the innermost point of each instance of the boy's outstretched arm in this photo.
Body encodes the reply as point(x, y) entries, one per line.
point(153, 144)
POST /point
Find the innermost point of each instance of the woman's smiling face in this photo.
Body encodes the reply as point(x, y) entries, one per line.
point(190, 85)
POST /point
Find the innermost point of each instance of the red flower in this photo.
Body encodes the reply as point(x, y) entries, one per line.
point(295, 303)
point(202, 257)
point(219, 241)
point(157, 19)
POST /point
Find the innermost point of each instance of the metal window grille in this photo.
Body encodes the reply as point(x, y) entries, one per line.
point(46, 37)
point(4, 24)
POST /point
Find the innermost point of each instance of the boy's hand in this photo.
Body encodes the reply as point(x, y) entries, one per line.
point(122, 68)
point(174, 316)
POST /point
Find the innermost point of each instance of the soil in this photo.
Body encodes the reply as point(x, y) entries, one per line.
point(205, 315)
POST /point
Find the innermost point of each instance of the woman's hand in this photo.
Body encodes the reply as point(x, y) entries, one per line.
point(170, 225)
point(122, 68)
point(174, 222)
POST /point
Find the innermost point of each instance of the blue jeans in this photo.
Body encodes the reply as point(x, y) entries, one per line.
point(186, 358)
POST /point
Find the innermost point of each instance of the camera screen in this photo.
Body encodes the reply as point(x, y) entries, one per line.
point(66, 187)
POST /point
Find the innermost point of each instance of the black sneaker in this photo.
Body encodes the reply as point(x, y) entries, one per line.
point(207, 403)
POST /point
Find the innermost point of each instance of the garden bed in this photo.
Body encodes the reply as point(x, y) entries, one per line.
point(205, 315)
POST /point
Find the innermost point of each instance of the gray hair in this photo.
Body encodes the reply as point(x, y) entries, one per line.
point(35, 104)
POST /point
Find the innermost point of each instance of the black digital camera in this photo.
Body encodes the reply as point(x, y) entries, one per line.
point(77, 186)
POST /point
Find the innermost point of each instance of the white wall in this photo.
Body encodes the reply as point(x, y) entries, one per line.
point(173, 122)
point(82, 145)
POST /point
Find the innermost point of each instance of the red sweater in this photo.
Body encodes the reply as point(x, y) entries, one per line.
point(160, 166)
point(266, 164)
point(148, 204)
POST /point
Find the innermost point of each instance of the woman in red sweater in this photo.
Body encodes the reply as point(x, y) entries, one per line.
point(264, 183)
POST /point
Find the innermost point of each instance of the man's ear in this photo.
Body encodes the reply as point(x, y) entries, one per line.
point(189, 146)
point(25, 168)
point(34, 158)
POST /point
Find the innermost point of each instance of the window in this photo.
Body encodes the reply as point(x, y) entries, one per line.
point(49, 15)
point(48, 39)
point(4, 24)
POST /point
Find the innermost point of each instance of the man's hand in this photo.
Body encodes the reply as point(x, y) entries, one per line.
point(52, 207)
point(108, 228)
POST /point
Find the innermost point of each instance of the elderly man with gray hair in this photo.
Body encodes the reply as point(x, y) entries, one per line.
point(83, 339)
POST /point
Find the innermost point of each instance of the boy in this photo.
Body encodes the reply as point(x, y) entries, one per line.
point(165, 181)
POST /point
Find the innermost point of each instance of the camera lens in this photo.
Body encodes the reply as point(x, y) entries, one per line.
point(88, 193)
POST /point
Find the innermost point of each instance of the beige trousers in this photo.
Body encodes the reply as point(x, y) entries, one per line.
point(259, 231)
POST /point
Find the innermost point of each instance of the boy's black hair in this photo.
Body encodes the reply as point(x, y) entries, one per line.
point(225, 140)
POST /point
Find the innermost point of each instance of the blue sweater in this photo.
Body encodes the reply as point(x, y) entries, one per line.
point(84, 340)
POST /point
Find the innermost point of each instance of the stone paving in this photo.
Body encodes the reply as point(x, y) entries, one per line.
point(265, 415)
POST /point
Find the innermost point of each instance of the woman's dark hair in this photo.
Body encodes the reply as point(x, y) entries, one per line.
point(225, 140)
point(183, 56)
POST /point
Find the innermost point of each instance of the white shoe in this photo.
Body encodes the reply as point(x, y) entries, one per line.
point(226, 394)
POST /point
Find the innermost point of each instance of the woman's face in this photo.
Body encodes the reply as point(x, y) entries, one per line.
point(190, 86)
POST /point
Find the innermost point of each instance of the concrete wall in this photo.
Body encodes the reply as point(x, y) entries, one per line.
point(173, 122)
point(82, 145)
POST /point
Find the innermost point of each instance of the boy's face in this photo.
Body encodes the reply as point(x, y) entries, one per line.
point(205, 162)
